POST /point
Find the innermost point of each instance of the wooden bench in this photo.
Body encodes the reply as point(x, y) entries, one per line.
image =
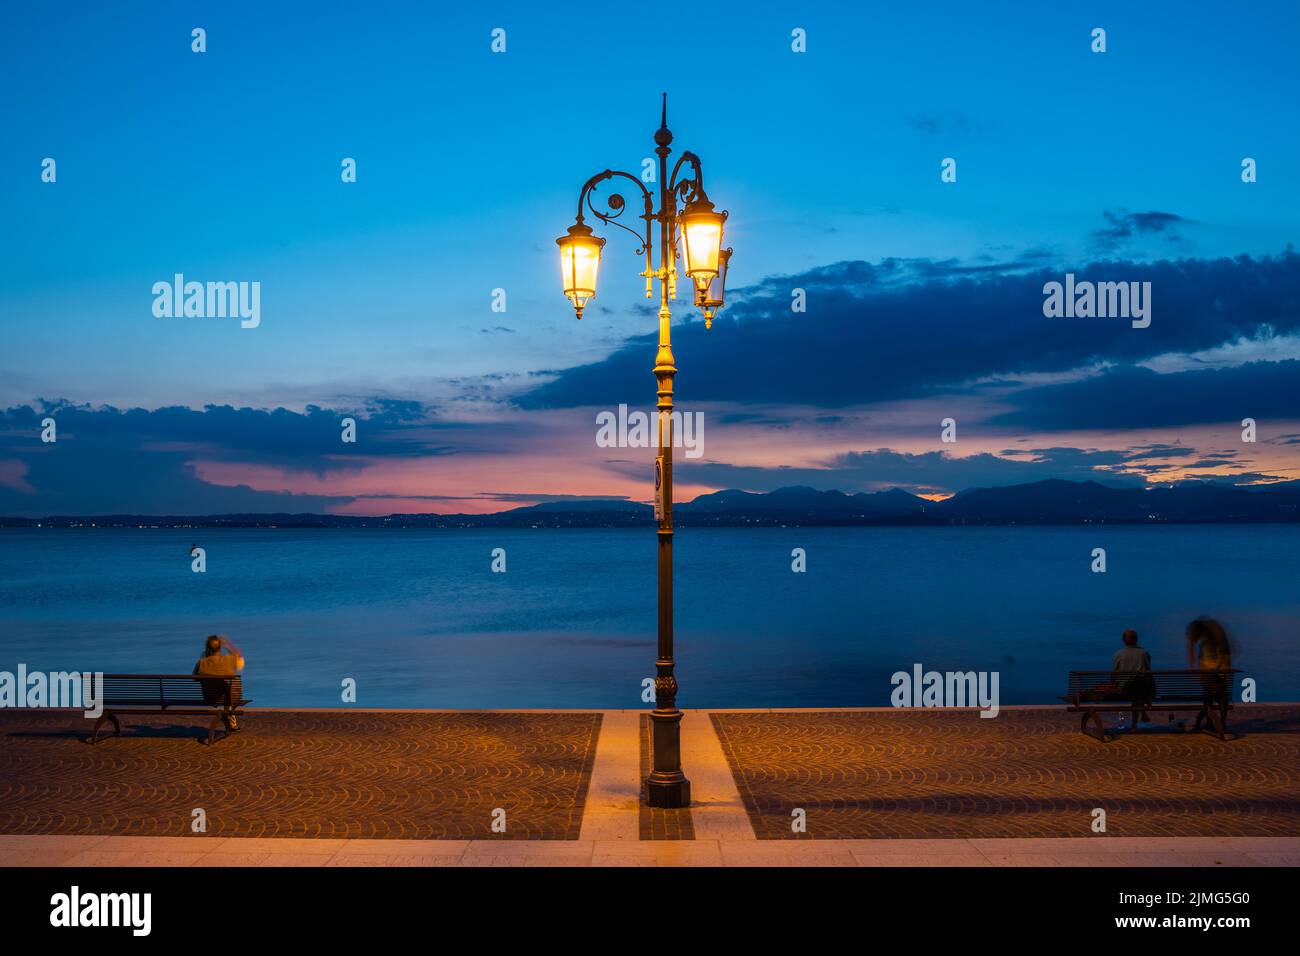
point(1208, 692)
point(190, 694)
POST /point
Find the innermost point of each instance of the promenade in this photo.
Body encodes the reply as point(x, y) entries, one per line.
point(539, 788)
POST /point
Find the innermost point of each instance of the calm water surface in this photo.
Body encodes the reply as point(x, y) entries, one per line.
point(419, 620)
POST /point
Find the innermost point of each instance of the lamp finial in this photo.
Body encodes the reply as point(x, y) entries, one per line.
point(664, 136)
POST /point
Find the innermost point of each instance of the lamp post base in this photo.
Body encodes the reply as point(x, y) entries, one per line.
point(666, 786)
point(669, 794)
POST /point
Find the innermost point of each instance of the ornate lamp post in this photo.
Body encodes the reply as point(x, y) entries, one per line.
point(695, 233)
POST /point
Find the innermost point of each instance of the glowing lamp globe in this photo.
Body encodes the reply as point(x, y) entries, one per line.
point(579, 264)
point(702, 241)
point(711, 298)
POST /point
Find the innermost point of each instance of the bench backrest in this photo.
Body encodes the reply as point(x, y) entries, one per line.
point(1171, 686)
point(171, 690)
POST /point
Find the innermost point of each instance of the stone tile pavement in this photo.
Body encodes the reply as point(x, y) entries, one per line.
point(891, 774)
point(882, 788)
point(319, 774)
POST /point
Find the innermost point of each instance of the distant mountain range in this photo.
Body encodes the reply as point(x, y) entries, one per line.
point(1040, 503)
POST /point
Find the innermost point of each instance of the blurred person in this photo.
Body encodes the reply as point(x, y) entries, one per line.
point(1209, 651)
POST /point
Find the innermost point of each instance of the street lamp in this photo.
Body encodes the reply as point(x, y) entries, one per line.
point(699, 228)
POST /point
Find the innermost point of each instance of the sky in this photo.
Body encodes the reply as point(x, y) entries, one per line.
point(924, 298)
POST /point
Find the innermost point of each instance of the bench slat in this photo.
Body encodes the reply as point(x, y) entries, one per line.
point(171, 691)
point(1099, 688)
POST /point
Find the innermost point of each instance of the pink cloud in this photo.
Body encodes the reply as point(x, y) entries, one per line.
point(13, 474)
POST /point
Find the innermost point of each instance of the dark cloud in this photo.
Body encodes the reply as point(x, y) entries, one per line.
point(137, 461)
point(1206, 465)
point(102, 478)
point(1157, 450)
point(938, 122)
point(308, 440)
point(758, 418)
point(1137, 453)
point(1130, 397)
point(906, 328)
point(935, 471)
point(518, 497)
point(1251, 480)
point(1123, 226)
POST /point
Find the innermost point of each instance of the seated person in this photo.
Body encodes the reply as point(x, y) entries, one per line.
point(214, 663)
point(1131, 666)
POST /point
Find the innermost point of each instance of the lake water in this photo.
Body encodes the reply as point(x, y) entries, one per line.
point(418, 619)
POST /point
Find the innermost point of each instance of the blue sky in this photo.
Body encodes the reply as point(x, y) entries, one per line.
point(225, 166)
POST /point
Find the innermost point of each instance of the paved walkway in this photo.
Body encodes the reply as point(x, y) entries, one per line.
point(1027, 773)
point(322, 774)
point(419, 788)
point(77, 851)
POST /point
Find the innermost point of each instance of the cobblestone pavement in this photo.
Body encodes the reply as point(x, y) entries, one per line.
point(322, 775)
point(1025, 773)
point(656, 822)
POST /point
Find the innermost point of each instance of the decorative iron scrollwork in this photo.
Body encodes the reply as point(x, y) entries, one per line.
point(688, 190)
point(614, 205)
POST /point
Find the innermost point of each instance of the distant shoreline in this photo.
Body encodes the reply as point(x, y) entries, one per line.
point(557, 522)
point(1052, 502)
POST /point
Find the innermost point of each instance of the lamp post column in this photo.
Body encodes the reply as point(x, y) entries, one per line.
point(666, 786)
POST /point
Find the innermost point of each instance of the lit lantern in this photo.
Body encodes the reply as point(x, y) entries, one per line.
point(579, 263)
point(711, 298)
point(702, 241)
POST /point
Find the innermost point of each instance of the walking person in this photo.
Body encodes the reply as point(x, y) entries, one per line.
point(1209, 651)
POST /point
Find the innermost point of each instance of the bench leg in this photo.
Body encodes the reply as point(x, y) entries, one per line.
point(106, 715)
point(1101, 728)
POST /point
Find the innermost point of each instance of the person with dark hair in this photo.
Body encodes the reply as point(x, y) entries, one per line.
point(214, 663)
point(1209, 651)
point(1207, 645)
point(1131, 666)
